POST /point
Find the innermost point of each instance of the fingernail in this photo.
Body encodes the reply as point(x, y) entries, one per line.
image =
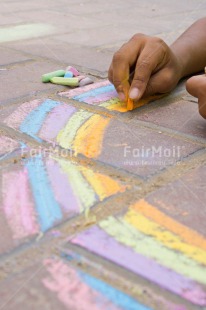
point(121, 96)
point(134, 93)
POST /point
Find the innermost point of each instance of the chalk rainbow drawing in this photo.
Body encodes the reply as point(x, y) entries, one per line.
point(152, 245)
point(46, 191)
point(78, 290)
point(60, 123)
point(104, 95)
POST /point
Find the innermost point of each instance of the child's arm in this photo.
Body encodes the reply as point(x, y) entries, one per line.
point(157, 68)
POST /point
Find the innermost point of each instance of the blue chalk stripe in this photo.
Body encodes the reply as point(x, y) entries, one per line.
point(48, 209)
point(94, 92)
point(117, 297)
point(33, 122)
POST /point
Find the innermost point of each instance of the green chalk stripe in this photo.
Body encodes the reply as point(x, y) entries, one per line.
point(48, 76)
point(65, 81)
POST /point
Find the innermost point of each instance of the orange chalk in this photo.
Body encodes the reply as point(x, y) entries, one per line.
point(130, 104)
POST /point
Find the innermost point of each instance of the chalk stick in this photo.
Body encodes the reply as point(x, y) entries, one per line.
point(85, 81)
point(130, 104)
point(48, 76)
point(68, 74)
point(65, 81)
point(81, 77)
point(73, 70)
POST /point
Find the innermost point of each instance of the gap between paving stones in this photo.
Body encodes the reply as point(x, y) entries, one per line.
point(137, 287)
point(109, 168)
point(22, 259)
point(102, 210)
point(88, 71)
point(128, 118)
point(17, 63)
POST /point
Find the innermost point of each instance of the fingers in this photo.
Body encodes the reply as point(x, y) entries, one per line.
point(196, 86)
point(123, 60)
point(161, 82)
point(150, 59)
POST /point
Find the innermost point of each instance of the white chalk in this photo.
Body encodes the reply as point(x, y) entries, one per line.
point(85, 81)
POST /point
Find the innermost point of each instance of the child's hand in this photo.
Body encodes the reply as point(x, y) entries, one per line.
point(196, 86)
point(148, 63)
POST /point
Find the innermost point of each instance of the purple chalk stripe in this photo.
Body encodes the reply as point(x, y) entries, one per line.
point(101, 98)
point(55, 121)
point(98, 241)
point(62, 188)
point(77, 91)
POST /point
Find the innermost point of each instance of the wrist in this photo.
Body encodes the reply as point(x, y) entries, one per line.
point(181, 58)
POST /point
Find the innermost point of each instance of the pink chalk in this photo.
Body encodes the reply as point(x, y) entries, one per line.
point(73, 70)
point(72, 292)
point(17, 205)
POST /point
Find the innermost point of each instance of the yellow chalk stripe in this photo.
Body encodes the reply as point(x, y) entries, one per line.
point(148, 246)
point(68, 133)
point(81, 188)
point(185, 233)
point(169, 240)
point(103, 185)
point(88, 140)
point(117, 105)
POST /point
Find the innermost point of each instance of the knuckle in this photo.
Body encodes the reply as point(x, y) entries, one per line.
point(160, 42)
point(137, 36)
point(139, 79)
point(145, 63)
point(118, 57)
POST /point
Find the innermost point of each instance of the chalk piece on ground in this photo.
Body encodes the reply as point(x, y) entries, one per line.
point(73, 70)
point(85, 81)
point(81, 77)
point(48, 76)
point(65, 81)
point(68, 74)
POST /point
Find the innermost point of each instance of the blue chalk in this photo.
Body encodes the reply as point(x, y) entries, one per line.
point(68, 74)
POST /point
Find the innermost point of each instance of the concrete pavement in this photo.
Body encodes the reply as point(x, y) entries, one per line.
point(100, 209)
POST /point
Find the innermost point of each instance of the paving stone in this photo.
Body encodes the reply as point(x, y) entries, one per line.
point(10, 57)
point(152, 244)
point(41, 191)
point(64, 20)
point(8, 146)
point(8, 20)
point(25, 79)
point(121, 144)
point(13, 7)
point(182, 116)
point(75, 54)
point(184, 200)
point(93, 38)
point(54, 284)
point(104, 95)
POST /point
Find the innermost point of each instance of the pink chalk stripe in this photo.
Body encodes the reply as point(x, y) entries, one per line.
point(17, 117)
point(17, 204)
point(64, 281)
point(7, 145)
point(101, 98)
point(81, 90)
point(99, 242)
